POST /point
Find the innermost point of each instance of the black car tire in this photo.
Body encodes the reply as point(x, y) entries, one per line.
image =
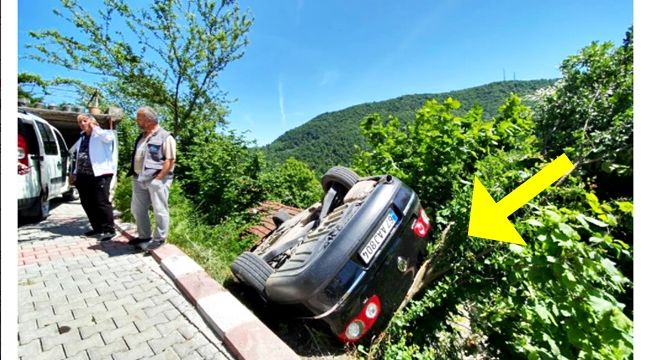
point(71, 195)
point(252, 270)
point(340, 175)
point(41, 208)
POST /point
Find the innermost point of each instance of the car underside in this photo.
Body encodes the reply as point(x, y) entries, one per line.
point(348, 260)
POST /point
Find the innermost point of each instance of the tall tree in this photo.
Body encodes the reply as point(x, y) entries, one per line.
point(589, 113)
point(168, 54)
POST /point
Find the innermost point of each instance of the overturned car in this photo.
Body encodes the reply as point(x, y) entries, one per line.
point(348, 260)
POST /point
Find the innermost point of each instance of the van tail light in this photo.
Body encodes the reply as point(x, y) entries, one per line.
point(421, 225)
point(23, 151)
point(361, 324)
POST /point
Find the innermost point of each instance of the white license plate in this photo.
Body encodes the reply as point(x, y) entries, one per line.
point(379, 237)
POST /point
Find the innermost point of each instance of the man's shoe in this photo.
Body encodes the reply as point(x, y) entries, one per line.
point(154, 244)
point(105, 236)
point(138, 240)
point(92, 233)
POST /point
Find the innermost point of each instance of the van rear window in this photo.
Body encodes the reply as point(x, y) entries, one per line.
point(49, 142)
point(27, 131)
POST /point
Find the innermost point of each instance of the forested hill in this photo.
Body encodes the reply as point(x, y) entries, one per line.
point(329, 138)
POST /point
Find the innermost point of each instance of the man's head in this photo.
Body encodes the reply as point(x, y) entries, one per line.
point(146, 118)
point(86, 123)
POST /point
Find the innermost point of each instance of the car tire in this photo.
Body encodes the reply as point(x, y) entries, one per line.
point(340, 175)
point(71, 195)
point(252, 270)
point(41, 209)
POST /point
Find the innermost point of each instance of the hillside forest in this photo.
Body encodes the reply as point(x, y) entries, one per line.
point(332, 138)
point(567, 294)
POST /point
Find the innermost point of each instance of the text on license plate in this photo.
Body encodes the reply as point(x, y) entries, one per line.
point(379, 237)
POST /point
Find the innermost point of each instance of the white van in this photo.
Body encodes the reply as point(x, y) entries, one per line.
point(43, 149)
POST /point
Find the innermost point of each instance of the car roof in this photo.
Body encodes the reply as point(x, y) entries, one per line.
point(29, 116)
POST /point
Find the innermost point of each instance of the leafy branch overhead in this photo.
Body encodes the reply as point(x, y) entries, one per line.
point(169, 54)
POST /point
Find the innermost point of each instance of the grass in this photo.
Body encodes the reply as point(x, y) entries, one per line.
point(213, 247)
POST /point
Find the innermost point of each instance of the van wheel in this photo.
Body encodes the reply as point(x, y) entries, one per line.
point(42, 207)
point(252, 271)
point(71, 195)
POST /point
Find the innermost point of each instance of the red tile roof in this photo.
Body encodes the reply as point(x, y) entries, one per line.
point(268, 209)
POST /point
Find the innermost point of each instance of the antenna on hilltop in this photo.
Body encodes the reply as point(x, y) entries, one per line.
point(504, 74)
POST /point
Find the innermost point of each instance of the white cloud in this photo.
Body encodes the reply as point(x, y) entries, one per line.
point(329, 77)
point(283, 116)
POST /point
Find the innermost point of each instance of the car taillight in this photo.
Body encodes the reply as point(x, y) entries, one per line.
point(422, 224)
point(23, 151)
point(365, 319)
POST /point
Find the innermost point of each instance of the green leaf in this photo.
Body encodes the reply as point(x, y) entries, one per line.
point(599, 304)
point(625, 206)
point(534, 222)
point(595, 221)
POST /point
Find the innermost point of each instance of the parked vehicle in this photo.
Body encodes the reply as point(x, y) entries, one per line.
point(348, 260)
point(42, 148)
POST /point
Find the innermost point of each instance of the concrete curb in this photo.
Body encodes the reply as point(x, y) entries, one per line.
point(243, 334)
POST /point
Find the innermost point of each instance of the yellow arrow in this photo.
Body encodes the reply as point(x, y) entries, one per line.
point(489, 219)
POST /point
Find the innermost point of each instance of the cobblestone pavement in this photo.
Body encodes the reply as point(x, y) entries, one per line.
point(81, 299)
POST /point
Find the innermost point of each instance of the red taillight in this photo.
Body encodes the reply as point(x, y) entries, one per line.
point(360, 324)
point(23, 151)
point(421, 225)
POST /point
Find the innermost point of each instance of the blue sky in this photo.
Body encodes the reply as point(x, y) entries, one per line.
point(310, 57)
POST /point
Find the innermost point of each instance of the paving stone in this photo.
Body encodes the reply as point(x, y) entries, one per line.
point(167, 354)
point(95, 328)
point(100, 299)
point(48, 319)
point(95, 310)
point(138, 306)
point(30, 349)
point(84, 300)
point(118, 303)
point(169, 339)
point(188, 331)
point(146, 294)
point(141, 351)
point(113, 313)
point(68, 307)
point(73, 348)
point(55, 353)
point(159, 309)
point(27, 326)
point(48, 342)
point(32, 315)
point(170, 326)
point(210, 352)
point(104, 352)
point(150, 321)
point(121, 332)
point(25, 337)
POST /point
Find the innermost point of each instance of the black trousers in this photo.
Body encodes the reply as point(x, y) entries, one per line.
point(93, 193)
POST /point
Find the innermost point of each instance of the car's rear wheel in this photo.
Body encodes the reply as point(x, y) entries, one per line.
point(252, 270)
point(71, 195)
point(341, 176)
point(41, 209)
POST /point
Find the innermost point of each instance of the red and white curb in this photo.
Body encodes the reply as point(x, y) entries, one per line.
point(243, 334)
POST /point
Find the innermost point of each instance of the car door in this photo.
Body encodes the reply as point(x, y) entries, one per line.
point(65, 159)
point(30, 184)
point(52, 164)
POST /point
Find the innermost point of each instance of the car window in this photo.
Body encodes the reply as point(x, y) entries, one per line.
point(49, 143)
point(62, 144)
point(27, 131)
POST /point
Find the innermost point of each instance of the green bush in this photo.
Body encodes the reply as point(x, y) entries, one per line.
point(292, 183)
